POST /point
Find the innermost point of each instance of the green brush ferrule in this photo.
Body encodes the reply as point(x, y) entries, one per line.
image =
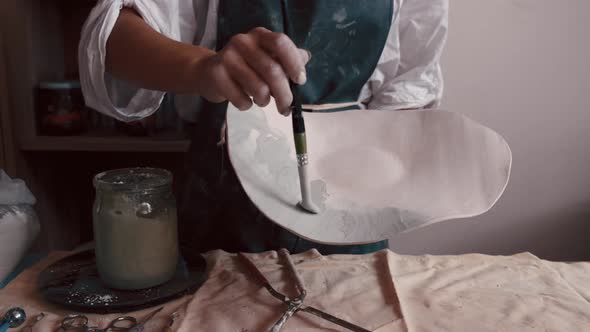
point(300, 143)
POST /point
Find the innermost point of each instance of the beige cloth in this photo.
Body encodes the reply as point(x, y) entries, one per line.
point(355, 288)
point(483, 293)
point(381, 292)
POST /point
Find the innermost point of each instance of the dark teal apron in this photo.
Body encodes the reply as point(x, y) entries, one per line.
point(346, 39)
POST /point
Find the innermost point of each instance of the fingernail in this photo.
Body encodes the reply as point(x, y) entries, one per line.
point(301, 78)
point(308, 55)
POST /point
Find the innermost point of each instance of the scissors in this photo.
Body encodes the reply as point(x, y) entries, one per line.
point(296, 304)
point(29, 327)
point(79, 323)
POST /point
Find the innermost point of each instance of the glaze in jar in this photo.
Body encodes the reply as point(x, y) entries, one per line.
point(135, 227)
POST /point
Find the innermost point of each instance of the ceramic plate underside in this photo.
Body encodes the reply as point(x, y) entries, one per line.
point(375, 174)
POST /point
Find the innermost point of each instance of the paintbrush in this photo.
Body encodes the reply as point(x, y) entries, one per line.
point(299, 130)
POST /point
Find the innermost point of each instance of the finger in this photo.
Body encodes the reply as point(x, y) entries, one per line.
point(246, 77)
point(281, 47)
point(214, 97)
point(212, 94)
point(270, 71)
point(276, 78)
point(305, 55)
point(230, 89)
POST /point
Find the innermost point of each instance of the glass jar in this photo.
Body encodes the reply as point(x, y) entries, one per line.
point(59, 108)
point(135, 228)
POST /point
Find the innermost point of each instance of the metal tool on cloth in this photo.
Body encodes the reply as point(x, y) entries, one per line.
point(296, 304)
point(29, 327)
point(13, 318)
point(79, 323)
point(141, 325)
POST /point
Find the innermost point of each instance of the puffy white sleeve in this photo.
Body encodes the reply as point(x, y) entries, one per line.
point(408, 75)
point(116, 98)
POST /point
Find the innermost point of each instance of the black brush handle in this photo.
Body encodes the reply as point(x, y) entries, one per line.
point(296, 109)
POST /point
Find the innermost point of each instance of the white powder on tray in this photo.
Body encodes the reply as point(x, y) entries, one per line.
point(92, 299)
point(17, 231)
point(99, 299)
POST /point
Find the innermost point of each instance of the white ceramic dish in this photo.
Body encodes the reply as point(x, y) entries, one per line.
point(374, 173)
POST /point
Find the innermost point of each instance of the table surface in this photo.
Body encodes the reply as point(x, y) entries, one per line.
point(381, 292)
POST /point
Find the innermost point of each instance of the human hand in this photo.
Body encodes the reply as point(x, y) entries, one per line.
point(257, 64)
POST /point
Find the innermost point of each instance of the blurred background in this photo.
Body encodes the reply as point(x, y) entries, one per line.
point(522, 68)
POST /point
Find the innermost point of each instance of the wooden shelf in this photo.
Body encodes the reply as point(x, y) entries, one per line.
point(43, 38)
point(107, 144)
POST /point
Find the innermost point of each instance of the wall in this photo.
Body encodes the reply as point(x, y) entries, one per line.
point(522, 68)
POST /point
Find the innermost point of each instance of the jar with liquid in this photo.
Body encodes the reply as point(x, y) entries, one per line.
point(59, 108)
point(135, 227)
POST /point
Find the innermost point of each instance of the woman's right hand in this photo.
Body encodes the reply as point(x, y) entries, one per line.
point(256, 64)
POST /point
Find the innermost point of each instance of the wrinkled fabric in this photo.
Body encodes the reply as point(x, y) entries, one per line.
point(382, 292)
point(491, 293)
point(407, 76)
point(357, 289)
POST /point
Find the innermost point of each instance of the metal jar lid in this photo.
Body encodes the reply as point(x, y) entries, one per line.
point(59, 85)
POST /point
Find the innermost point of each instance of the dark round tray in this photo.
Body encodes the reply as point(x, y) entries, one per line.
point(73, 282)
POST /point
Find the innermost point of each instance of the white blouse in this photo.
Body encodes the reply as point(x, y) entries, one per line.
point(408, 74)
